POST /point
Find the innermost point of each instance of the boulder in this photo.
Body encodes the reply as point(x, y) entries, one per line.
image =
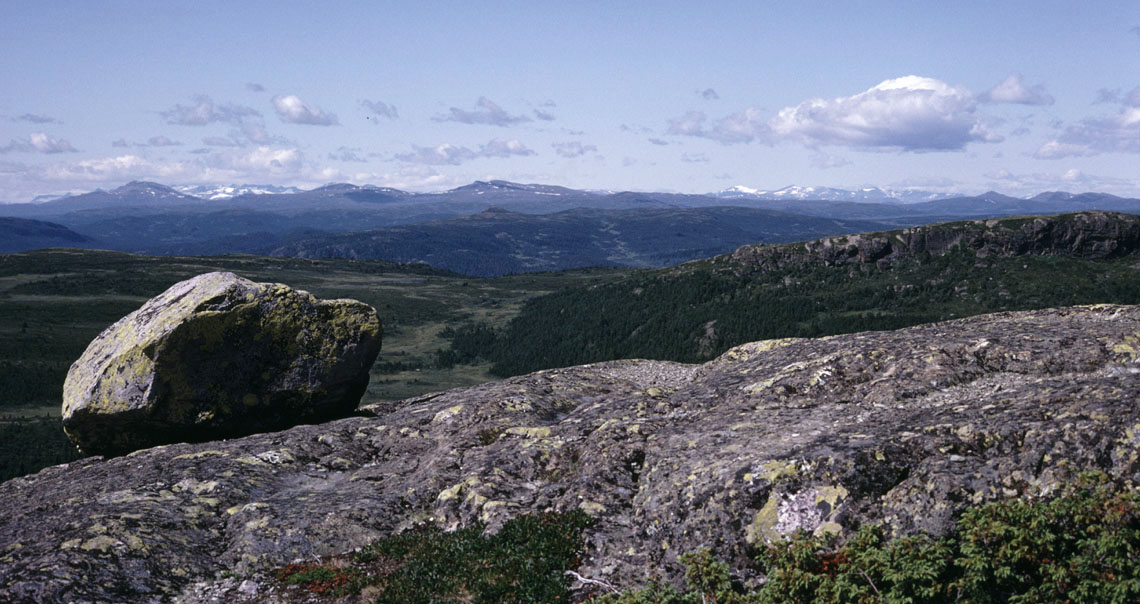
point(219, 356)
point(905, 428)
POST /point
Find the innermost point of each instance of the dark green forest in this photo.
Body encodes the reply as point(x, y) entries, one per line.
point(696, 311)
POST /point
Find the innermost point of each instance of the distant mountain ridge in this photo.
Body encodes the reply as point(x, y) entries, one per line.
point(153, 218)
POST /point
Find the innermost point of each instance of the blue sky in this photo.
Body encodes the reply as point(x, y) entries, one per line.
point(1018, 97)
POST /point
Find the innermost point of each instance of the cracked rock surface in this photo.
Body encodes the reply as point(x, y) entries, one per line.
point(905, 427)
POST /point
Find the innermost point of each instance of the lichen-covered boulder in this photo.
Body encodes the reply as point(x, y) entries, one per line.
point(219, 356)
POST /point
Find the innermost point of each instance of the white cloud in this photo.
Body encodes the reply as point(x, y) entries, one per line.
point(448, 154)
point(1118, 133)
point(1069, 179)
point(1056, 150)
point(263, 160)
point(572, 149)
point(910, 113)
point(487, 112)
point(381, 109)
point(291, 109)
point(500, 148)
point(205, 111)
point(38, 141)
point(1013, 90)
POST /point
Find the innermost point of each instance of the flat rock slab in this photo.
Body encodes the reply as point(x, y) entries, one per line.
point(219, 356)
point(905, 427)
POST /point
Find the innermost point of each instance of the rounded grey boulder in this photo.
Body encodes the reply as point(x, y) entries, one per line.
point(219, 356)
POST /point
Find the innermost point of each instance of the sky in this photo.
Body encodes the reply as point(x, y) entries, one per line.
point(1017, 96)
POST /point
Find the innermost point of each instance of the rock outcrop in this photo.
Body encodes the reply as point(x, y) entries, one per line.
point(1092, 234)
point(219, 356)
point(903, 427)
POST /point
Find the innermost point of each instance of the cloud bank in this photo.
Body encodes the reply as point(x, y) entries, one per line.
point(38, 142)
point(1119, 133)
point(487, 113)
point(910, 113)
point(573, 149)
point(453, 155)
point(204, 111)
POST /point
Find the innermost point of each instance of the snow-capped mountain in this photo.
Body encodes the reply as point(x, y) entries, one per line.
point(231, 191)
point(864, 195)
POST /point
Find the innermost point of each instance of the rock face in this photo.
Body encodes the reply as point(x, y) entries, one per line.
point(219, 356)
point(1092, 234)
point(904, 428)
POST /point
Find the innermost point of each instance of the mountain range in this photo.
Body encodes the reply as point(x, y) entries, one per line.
point(532, 227)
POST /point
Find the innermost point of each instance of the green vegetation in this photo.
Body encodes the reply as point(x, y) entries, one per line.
point(695, 311)
point(524, 562)
point(1081, 548)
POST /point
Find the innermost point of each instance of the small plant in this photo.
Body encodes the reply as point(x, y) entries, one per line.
point(323, 579)
point(524, 562)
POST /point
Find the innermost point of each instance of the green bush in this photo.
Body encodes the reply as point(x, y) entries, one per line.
point(1082, 548)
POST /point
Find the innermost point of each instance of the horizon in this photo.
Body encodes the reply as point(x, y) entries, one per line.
point(178, 186)
point(955, 99)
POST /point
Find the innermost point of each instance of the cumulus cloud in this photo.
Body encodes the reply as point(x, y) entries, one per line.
point(36, 119)
point(1118, 133)
point(1013, 90)
point(487, 112)
point(910, 113)
point(347, 154)
point(381, 109)
point(501, 148)
point(709, 94)
point(205, 111)
point(162, 141)
point(1068, 179)
point(739, 127)
point(448, 154)
point(572, 149)
point(1116, 96)
point(291, 109)
point(263, 160)
point(38, 142)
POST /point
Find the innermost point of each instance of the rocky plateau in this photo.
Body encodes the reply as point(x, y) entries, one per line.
point(906, 428)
